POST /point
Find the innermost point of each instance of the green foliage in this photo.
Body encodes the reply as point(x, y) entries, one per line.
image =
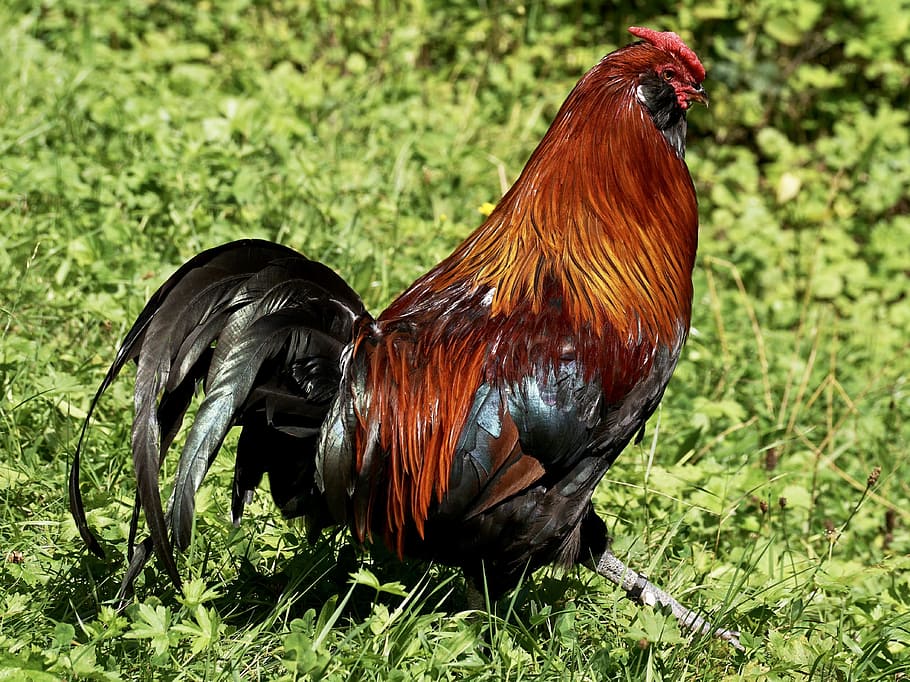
point(367, 134)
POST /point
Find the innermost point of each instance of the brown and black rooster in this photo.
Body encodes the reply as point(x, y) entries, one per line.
point(472, 420)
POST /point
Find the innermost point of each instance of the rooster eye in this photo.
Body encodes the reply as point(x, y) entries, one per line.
point(668, 75)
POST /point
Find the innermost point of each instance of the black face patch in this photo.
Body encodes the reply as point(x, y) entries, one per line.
point(660, 99)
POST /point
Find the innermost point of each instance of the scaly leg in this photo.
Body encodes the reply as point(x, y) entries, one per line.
point(642, 590)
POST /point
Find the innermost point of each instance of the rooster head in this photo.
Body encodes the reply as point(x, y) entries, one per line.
point(670, 82)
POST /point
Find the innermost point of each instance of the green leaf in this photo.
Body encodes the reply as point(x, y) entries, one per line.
point(153, 624)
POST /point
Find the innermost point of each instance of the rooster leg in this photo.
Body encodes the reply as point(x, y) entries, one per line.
point(475, 596)
point(642, 590)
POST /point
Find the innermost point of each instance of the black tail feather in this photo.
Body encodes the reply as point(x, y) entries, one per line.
point(264, 329)
point(282, 325)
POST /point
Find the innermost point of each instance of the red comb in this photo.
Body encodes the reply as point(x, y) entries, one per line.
point(670, 42)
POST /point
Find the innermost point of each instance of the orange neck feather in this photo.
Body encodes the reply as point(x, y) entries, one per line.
point(604, 207)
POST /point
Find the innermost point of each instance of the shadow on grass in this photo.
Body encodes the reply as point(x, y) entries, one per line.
point(304, 577)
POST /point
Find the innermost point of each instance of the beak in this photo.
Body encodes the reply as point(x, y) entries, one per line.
point(697, 94)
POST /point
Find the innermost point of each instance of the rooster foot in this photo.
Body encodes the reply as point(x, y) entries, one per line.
point(642, 590)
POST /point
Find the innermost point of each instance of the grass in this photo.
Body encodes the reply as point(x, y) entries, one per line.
point(367, 136)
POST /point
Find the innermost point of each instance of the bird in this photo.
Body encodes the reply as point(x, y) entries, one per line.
point(470, 422)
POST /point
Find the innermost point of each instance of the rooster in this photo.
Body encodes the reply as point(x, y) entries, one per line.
point(470, 422)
